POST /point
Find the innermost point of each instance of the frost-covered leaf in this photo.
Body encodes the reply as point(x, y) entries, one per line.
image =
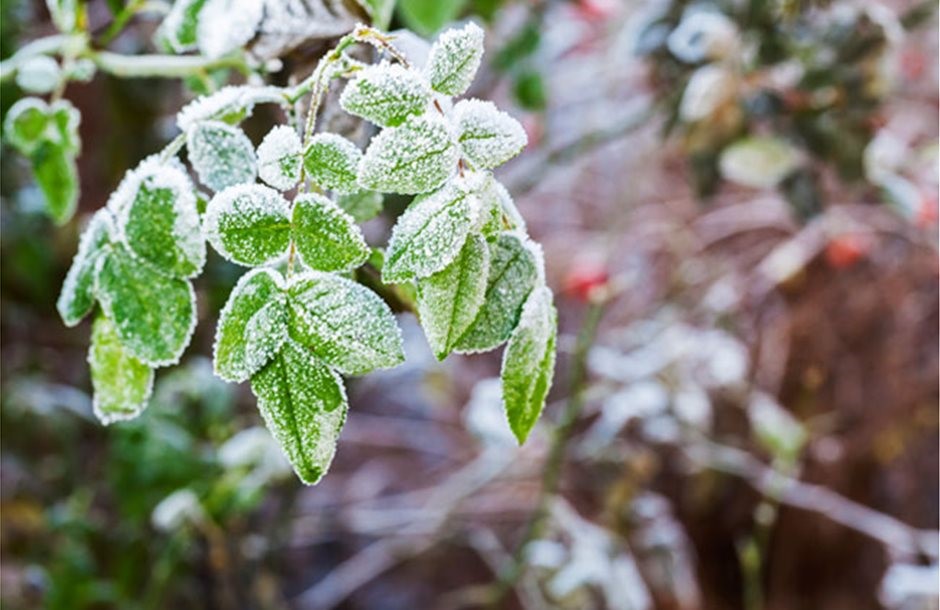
point(64, 125)
point(225, 25)
point(759, 162)
point(303, 404)
point(57, 176)
point(415, 157)
point(498, 212)
point(161, 224)
point(179, 26)
point(361, 205)
point(386, 94)
point(454, 59)
point(229, 104)
point(279, 158)
point(514, 271)
point(344, 323)
point(326, 237)
point(487, 136)
point(248, 224)
point(25, 124)
point(64, 14)
point(38, 74)
point(449, 300)
point(222, 155)
point(252, 326)
point(332, 161)
point(78, 290)
point(529, 363)
point(428, 235)
point(121, 382)
point(154, 314)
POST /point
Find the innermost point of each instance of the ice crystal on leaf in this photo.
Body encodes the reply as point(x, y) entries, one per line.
point(454, 59)
point(249, 224)
point(327, 238)
point(415, 157)
point(121, 382)
point(332, 161)
point(280, 158)
point(78, 290)
point(222, 155)
point(386, 94)
point(487, 136)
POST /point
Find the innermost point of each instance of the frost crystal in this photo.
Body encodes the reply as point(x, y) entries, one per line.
point(78, 290)
point(232, 102)
point(225, 25)
point(327, 238)
point(249, 224)
point(416, 157)
point(454, 59)
point(386, 94)
point(279, 158)
point(222, 155)
point(487, 136)
point(332, 161)
point(122, 384)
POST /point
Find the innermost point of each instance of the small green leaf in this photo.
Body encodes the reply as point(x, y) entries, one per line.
point(386, 94)
point(343, 323)
point(496, 198)
point(64, 123)
point(154, 314)
point(326, 237)
point(121, 382)
point(332, 162)
point(428, 235)
point(249, 224)
point(78, 290)
point(416, 157)
point(380, 11)
point(179, 26)
point(426, 17)
point(449, 300)
point(279, 158)
point(454, 59)
point(222, 155)
point(514, 271)
point(303, 404)
point(487, 136)
point(529, 363)
point(361, 205)
point(25, 124)
point(57, 176)
point(252, 326)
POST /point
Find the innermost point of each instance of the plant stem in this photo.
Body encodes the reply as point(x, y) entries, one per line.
point(161, 66)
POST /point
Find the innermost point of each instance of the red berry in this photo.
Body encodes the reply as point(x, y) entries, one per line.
point(585, 279)
point(846, 250)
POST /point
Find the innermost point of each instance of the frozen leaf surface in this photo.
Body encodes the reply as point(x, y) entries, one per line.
point(279, 158)
point(361, 205)
point(179, 26)
point(78, 290)
point(222, 155)
point(25, 124)
point(487, 136)
point(332, 162)
point(228, 104)
point(454, 59)
point(416, 157)
point(326, 237)
point(249, 224)
point(121, 382)
point(386, 94)
point(225, 25)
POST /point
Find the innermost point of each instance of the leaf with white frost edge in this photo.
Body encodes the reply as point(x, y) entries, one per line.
point(343, 323)
point(24, 126)
point(280, 158)
point(428, 235)
point(178, 29)
point(415, 157)
point(449, 300)
point(229, 104)
point(361, 205)
point(332, 162)
point(226, 25)
point(514, 271)
point(303, 404)
point(454, 59)
point(57, 176)
point(78, 290)
point(487, 136)
point(386, 94)
point(326, 237)
point(252, 326)
point(154, 314)
point(249, 224)
point(222, 155)
point(122, 384)
point(529, 363)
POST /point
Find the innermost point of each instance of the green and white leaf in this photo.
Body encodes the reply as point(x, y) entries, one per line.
point(78, 290)
point(64, 122)
point(280, 158)
point(57, 177)
point(179, 26)
point(226, 25)
point(332, 162)
point(386, 94)
point(361, 205)
point(249, 224)
point(222, 155)
point(122, 384)
point(487, 136)
point(498, 204)
point(229, 104)
point(24, 126)
point(454, 59)
point(326, 237)
point(416, 157)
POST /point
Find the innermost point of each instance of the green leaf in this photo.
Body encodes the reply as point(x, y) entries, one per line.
point(326, 237)
point(303, 404)
point(343, 323)
point(361, 205)
point(279, 158)
point(497, 199)
point(380, 11)
point(154, 314)
point(231, 104)
point(252, 326)
point(426, 17)
point(449, 300)
point(416, 157)
point(57, 176)
point(161, 224)
point(65, 120)
point(428, 235)
point(487, 136)
point(249, 224)
point(332, 161)
point(514, 271)
point(222, 155)
point(179, 26)
point(121, 382)
point(454, 59)
point(78, 290)
point(386, 94)
point(25, 124)
point(529, 363)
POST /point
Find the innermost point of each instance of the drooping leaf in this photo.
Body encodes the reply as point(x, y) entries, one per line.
point(280, 158)
point(454, 59)
point(222, 155)
point(78, 290)
point(248, 224)
point(154, 314)
point(514, 271)
point(428, 235)
point(303, 404)
point(179, 26)
point(252, 326)
point(343, 323)
point(386, 94)
point(25, 124)
point(57, 176)
point(361, 205)
point(121, 383)
point(529, 363)
point(332, 162)
point(416, 157)
point(487, 136)
point(326, 237)
point(449, 300)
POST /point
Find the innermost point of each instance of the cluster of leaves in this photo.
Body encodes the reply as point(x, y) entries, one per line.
point(297, 321)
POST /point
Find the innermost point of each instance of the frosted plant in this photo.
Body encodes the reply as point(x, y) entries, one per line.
point(297, 320)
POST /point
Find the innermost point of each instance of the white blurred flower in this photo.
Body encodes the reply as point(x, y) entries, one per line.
point(760, 162)
point(910, 587)
point(710, 88)
point(884, 156)
point(693, 407)
point(173, 511)
point(39, 74)
point(704, 33)
point(256, 449)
